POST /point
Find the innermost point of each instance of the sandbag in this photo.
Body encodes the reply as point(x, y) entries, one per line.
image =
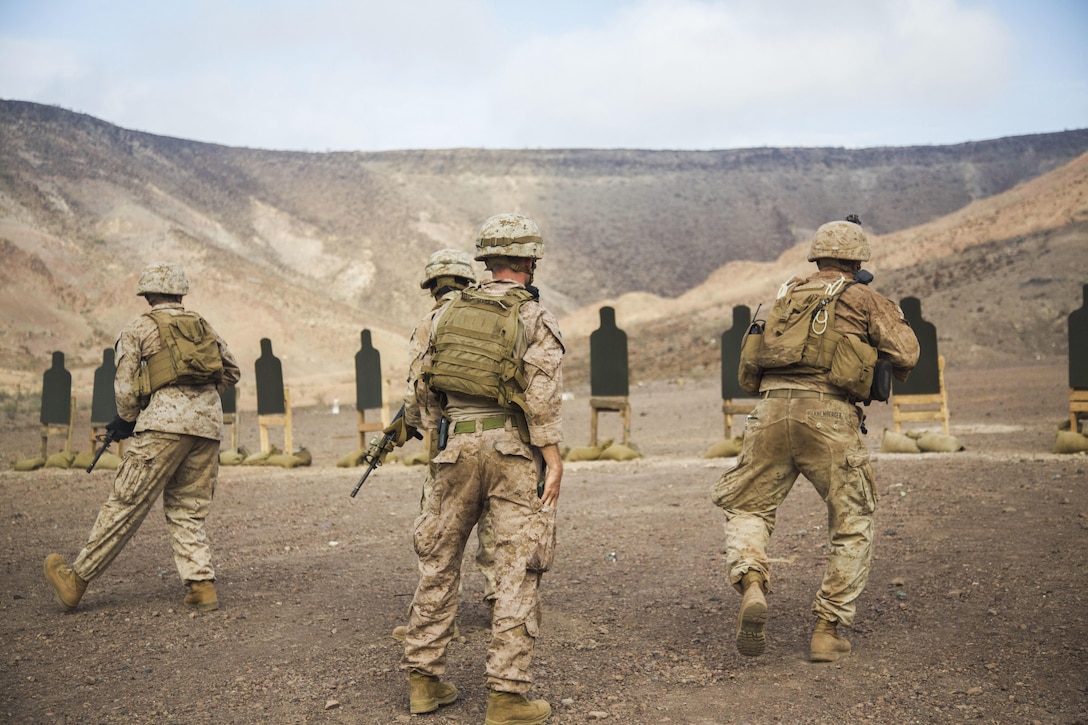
point(728, 448)
point(260, 457)
point(355, 458)
point(232, 457)
point(283, 460)
point(29, 464)
point(1069, 442)
point(304, 455)
point(898, 443)
point(108, 462)
point(619, 452)
point(61, 459)
point(939, 443)
point(83, 459)
point(587, 453)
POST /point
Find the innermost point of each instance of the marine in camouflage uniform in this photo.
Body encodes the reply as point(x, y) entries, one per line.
point(805, 425)
point(490, 466)
point(447, 271)
point(174, 451)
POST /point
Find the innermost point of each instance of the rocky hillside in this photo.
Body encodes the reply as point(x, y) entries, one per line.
point(309, 249)
point(997, 278)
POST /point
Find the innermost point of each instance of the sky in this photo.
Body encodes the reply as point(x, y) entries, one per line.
point(373, 75)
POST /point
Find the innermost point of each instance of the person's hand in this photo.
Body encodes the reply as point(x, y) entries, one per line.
point(553, 475)
point(120, 429)
point(399, 432)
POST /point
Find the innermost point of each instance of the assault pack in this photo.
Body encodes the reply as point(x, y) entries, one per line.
point(799, 335)
point(189, 354)
point(475, 347)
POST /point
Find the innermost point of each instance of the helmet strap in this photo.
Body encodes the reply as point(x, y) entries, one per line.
point(524, 265)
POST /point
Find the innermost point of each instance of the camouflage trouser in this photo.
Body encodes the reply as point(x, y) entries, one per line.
point(485, 540)
point(820, 439)
point(184, 468)
point(486, 470)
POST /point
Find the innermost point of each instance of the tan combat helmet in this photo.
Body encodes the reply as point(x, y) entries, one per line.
point(164, 279)
point(509, 235)
point(448, 263)
point(840, 240)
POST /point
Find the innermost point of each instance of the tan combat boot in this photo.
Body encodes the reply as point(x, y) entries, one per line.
point(68, 588)
point(753, 615)
point(827, 644)
point(202, 596)
point(512, 708)
point(427, 692)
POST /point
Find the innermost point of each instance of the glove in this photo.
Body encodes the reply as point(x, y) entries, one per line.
point(399, 432)
point(120, 429)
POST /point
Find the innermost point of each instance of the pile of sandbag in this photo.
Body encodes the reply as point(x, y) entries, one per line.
point(66, 459)
point(606, 451)
point(728, 448)
point(919, 441)
point(275, 457)
point(1069, 441)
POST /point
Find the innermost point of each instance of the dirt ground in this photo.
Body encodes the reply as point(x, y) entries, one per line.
point(976, 609)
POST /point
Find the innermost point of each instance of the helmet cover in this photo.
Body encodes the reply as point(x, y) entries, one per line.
point(164, 279)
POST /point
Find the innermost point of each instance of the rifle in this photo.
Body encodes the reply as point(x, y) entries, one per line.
point(106, 439)
point(373, 456)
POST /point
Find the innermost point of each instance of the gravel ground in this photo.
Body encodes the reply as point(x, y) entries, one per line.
point(976, 610)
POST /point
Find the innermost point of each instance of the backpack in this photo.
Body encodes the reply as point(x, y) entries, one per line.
point(475, 344)
point(189, 354)
point(799, 334)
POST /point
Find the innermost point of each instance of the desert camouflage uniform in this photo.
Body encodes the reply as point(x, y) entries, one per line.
point(489, 470)
point(820, 438)
point(485, 534)
point(174, 450)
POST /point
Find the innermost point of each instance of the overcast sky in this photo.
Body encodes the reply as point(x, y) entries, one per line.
point(657, 74)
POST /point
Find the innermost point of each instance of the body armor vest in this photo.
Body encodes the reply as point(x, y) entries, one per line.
point(477, 346)
point(189, 354)
point(800, 337)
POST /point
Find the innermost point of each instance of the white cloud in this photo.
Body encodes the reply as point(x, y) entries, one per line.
point(704, 67)
point(370, 74)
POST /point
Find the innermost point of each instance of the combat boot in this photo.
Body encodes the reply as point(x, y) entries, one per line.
point(427, 692)
point(512, 708)
point(827, 644)
point(753, 615)
point(68, 588)
point(202, 596)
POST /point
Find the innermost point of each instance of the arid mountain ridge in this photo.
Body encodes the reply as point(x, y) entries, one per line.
point(308, 249)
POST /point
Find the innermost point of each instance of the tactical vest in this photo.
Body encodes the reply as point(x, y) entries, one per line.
point(476, 347)
point(799, 336)
point(189, 354)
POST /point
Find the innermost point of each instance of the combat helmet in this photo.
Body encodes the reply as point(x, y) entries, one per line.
point(164, 279)
point(840, 240)
point(448, 263)
point(509, 235)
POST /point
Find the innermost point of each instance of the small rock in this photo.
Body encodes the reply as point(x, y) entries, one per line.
point(331, 704)
point(597, 715)
point(975, 691)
